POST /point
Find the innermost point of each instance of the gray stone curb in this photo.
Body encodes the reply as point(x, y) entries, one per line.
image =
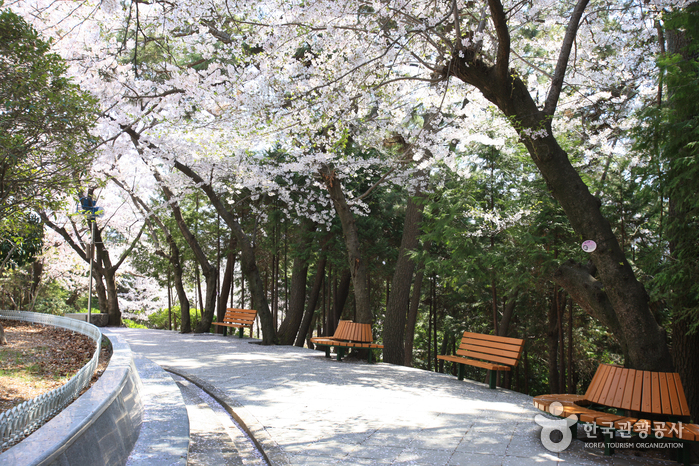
point(164, 437)
point(272, 453)
point(99, 428)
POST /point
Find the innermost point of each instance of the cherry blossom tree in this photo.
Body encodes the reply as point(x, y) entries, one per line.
point(211, 84)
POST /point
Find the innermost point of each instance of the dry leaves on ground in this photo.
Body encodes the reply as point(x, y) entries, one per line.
point(38, 359)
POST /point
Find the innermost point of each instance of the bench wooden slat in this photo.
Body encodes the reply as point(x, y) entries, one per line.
point(666, 405)
point(495, 345)
point(604, 389)
point(637, 392)
point(599, 383)
point(238, 318)
point(490, 352)
point(684, 407)
point(487, 357)
point(493, 338)
point(592, 388)
point(610, 387)
point(656, 405)
point(646, 400)
point(674, 397)
point(627, 391)
point(348, 334)
point(509, 351)
point(474, 362)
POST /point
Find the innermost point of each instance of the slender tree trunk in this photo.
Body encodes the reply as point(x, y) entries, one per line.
point(552, 340)
point(341, 294)
point(290, 326)
point(248, 261)
point(226, 284)
point(306, 323)
point(507, 313)
point(571, 366)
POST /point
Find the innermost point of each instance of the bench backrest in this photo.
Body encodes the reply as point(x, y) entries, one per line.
point(491, 348)
point(641, 391)
point(353, 331)
point(240, 316)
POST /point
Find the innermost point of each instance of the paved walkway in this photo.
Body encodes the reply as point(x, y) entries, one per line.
point(308, 410)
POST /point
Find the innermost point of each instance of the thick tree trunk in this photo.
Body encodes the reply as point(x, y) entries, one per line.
point(3, 340)
point(638, 331)
point(357, 264)
point(399, 299)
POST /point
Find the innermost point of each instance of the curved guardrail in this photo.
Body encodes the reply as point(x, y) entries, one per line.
point(22, 420)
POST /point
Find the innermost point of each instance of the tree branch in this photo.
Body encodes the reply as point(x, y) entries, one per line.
point(564, 55)
point(502, 63)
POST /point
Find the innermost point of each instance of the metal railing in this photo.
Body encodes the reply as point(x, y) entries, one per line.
point(20, 421)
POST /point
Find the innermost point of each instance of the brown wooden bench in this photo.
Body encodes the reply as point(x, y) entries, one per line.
point(348, 335)
point(239, 318)
point(650, 403)
point(487, 351)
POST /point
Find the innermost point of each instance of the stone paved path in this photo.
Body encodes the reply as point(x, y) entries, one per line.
point(308, 410)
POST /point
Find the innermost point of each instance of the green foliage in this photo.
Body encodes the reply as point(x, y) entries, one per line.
point(132, 324)
point(44, 123)
point(22, 244)
point(669, 137)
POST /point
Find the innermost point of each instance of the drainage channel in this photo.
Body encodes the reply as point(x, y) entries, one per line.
point(215, 438)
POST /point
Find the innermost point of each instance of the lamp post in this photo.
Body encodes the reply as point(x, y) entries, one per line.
point(89, 209)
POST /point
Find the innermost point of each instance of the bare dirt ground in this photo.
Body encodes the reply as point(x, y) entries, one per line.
point(38, 359)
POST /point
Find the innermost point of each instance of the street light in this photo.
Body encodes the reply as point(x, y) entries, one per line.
point(89, 209)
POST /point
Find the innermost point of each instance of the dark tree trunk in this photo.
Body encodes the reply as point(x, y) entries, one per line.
point(399, 299)
point(507, 313)
point(248, 261)
point(3, 340)
point(357, 265)
point(552, 342)
point(226, 283)
point(290, 326)
point(307, 322)
point(341, 294)
point(185, 324)
point(209, 271)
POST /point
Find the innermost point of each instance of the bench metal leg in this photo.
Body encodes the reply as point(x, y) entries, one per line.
point(370, 351)
point(240, 332)
point(225, 331)
point(492, 376)
point(340, 352)
point(462, 371)
point(608, 439)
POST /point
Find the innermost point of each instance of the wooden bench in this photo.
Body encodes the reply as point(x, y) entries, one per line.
point(650, 403)
point(239, 318)
point(348, 335)
point(487, 351)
